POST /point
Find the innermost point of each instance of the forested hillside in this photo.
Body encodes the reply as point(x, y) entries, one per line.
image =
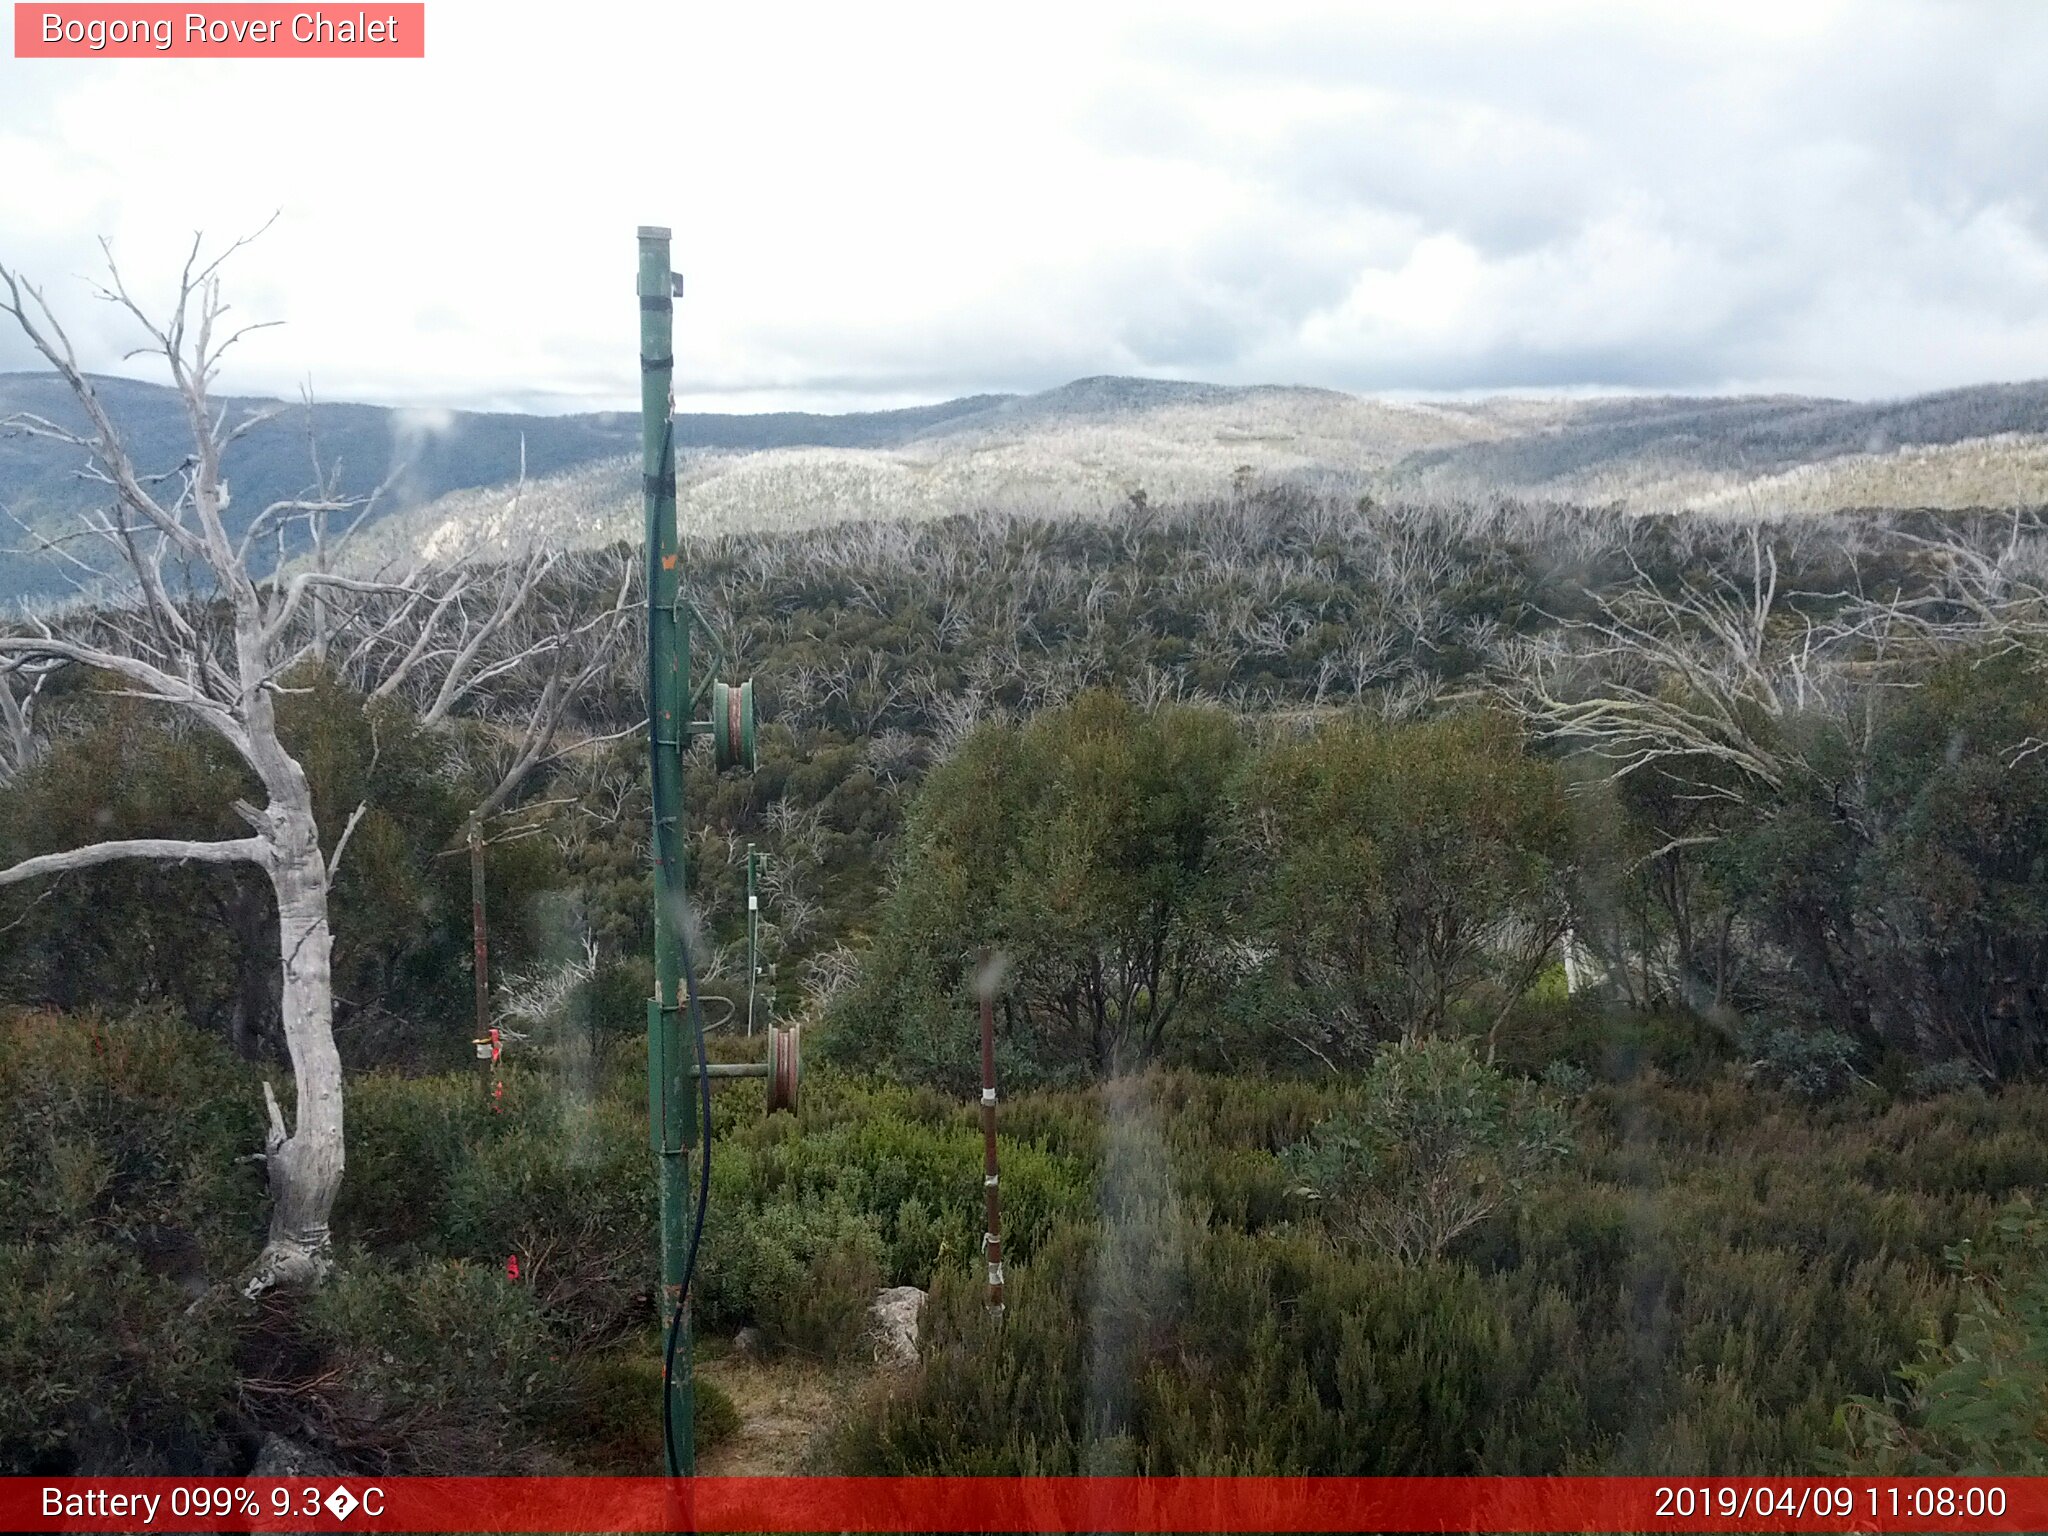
point(413, 456)
point(449, 483)
point(1489, 988)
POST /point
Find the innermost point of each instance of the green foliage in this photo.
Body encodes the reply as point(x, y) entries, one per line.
point(1907, 874)
point(1812, 1063)
point(1611, 1043)
point(407, 1137)
point(1439, 1143)
point(128, 1130)
point(1888, 888)
point(102, 1366)
point(1405, 878)
point(571, 1195)
point(611, 1416)
point(440, 1367)
point(203, 939)
point(872, 1184)
point(1387, 881)
point(717, 1419)
point(1975, 1399)
point(1084, 848)
point(121, 1205)
point(805, 1273)
point(133, 933)
point(400, 909)
point(1951, 1076)
point(1699, 1287)
point(1697, 1290)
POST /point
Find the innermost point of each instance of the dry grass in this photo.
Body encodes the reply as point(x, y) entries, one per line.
point(786, 1405)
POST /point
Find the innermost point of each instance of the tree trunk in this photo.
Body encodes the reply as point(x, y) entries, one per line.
point(253, 1014)
point(305, 1165)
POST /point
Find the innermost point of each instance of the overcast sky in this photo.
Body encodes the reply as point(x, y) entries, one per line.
point(882, 204)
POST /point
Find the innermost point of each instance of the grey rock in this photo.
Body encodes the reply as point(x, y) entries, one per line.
point(283, 1457)
point(893, 1319)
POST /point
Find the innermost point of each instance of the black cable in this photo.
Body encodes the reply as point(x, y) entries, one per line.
point(675, 1322)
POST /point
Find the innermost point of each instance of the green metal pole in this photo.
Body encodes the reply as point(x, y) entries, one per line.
point(672, 1109)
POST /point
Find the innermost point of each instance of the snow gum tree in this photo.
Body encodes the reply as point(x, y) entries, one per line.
point(190, 607)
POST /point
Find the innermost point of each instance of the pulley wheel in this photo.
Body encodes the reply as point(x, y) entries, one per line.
point(785, 1066)
point(732, 725)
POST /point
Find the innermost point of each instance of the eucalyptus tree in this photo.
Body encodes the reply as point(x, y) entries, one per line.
point(1087, 847)
point(199, 612)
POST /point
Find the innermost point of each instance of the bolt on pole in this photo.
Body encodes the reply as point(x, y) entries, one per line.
point(672, 1108)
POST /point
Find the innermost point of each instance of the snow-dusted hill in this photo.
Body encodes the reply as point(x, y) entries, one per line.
point(1083, 448)
point(1092, 444)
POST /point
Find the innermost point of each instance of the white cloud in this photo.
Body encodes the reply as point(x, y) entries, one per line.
point(882, 204)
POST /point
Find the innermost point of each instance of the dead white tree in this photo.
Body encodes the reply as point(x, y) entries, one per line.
point(19, 744)
point(520, 646)
point(203, 636)
point(1693, 683)
point(1990, 595)
point(183, 617)
point(1711, 687)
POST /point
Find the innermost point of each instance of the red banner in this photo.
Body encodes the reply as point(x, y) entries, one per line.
point(1024, 1504)
point(215, 31)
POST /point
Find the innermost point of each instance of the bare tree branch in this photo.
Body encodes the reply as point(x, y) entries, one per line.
point(247, 850)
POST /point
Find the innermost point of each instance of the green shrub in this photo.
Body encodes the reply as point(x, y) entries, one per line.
point(122, 1202)
point(104, 1369)
point(1955, 1075)
point(130, 1129)
point(407, 1138)
point(803, 1273)
point(717, 1420)
point(1975, 1401)
point(1696, 1290)
point(921, 1241)
point(826, 1316)
point(1406, 879)
point(1700, 1287)
point(1611, 1043)
point(437, 1368)
point(575, 1203)
point(1567, 1079)
point(1086, 842)
point(1440, 1143)
point(1814, 1064)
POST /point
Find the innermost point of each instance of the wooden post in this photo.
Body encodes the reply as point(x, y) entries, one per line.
point(753, 939)
point(992, 1199)
point(479, 933)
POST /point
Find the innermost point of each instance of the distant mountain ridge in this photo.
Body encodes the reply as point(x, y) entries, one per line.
point(437, 451)
point(1076, 449)
point(1749, 435)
